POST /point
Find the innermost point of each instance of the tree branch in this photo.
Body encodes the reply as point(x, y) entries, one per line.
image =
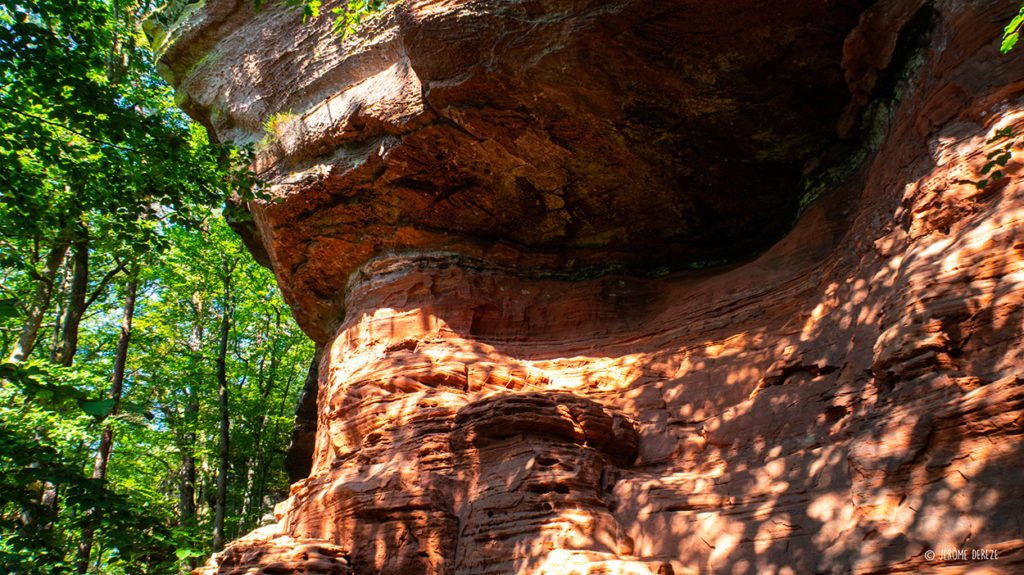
point(63, 127)
point(102, 285)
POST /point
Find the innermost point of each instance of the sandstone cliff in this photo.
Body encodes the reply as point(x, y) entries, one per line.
point(638, 286)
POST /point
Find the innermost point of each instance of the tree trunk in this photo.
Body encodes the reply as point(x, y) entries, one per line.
point(220, 499)
point(257, 478)
point(187, 488)
point(116, 387)
point(61, 291)
point(64, 352)
point(28, 336)
point(40, 302)
point(187, 492)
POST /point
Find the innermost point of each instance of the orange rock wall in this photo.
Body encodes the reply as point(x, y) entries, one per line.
point(848, 401)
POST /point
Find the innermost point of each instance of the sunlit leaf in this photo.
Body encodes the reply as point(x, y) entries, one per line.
point(98, 408)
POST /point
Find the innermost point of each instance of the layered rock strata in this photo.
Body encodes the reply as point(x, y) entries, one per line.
point(480, 202)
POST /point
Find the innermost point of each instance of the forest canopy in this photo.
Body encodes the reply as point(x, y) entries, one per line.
point(148, 363)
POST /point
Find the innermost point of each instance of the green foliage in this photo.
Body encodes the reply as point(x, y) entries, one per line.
point(348, 18)
point(998, 158)
point(94, 153)
point(1011, 33)
point(41, 439)
point(272, 131)
point(54, 387)
point(310, 8)
point(88, 128)
point(52, 415)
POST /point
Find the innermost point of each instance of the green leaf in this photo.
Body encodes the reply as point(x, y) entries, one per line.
point(1012, 32)
point(1008, 43)
point(98, 408)
point(8, 308)
point(184, 554)
point(130, 407)
point(1001, 134)
point(312, 8)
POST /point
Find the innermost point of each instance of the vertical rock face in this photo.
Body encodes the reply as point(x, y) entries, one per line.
point(485, 208)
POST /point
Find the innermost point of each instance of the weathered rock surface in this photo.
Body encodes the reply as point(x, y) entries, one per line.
point(456, 179)
point(266, 551)
point(555, 137)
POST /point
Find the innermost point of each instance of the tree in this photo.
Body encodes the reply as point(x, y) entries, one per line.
point(227, 268)
point(116, 389)
point(98, 173)
point(173, 372)
point(89, 137)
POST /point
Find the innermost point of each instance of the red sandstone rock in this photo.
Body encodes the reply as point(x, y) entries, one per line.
point(266, 551)
point(848, 401)
point(555, 137)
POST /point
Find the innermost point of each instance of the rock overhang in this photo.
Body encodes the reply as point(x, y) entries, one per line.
point(558, 138)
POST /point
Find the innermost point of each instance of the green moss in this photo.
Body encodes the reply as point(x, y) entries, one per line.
point(210, 57)
point(163, 24)
point(273, 127)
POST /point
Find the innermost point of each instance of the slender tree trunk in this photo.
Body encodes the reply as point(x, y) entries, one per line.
point(40, 302)
point(220, 499)
point(27, 338)
point(254, 501)
point(187, 493)
point(117, 381)
point(251, 502)
point(202, 487)
point(187, 488)
point(99, 470)
point(64, 351)
point(62, 289)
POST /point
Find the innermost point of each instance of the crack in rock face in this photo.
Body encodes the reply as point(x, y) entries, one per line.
point(634, 287)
